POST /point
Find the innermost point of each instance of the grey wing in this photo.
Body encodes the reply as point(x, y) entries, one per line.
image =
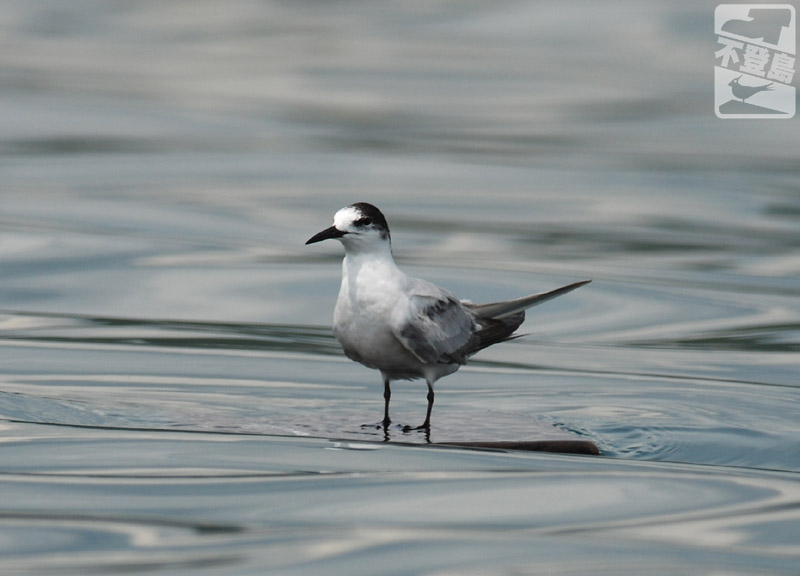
point(437, 329)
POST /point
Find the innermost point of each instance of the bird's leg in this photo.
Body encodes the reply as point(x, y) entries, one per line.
point(427, 424)
point(387, 395)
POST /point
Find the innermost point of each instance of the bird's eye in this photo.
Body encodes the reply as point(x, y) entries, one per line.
point(364, 221)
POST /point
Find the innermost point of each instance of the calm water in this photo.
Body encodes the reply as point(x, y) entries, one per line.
point(172, 400)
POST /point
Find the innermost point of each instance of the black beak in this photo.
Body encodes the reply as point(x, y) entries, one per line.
point(332, 232)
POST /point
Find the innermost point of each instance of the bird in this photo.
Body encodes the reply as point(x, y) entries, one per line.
point(406, 327)
point(743, 92)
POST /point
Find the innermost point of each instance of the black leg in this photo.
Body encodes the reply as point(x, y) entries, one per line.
point(427, 424)
point(387, 395)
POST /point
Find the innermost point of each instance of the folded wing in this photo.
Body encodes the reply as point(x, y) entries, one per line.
point(438, 329)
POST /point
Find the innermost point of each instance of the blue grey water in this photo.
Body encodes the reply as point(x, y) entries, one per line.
point(172, 400)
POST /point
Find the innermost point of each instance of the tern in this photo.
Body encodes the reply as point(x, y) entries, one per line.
point(406, 327)
point(743, 92)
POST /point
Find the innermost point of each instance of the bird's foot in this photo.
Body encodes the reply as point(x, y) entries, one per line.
point(382, 425)
point(425, 428)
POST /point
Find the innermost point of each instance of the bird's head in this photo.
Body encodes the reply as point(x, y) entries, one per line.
point(360, 226)
point(735, 81)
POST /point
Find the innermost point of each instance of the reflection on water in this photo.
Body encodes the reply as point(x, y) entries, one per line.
point(37, 327)
point(253, 506)
point(172, 399)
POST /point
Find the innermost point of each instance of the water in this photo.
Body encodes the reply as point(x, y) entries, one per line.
point(172, 400)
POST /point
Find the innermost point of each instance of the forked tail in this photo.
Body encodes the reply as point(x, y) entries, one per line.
point(499, 310)
point(499, 320)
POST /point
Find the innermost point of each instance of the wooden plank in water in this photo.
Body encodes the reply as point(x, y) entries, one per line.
point(559, 446)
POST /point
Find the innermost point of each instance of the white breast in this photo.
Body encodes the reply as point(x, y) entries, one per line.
point(371, 295)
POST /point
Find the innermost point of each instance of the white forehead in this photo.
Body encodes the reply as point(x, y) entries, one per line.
point(345, 217)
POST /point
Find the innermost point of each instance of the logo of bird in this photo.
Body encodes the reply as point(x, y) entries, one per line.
point(743, 92)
